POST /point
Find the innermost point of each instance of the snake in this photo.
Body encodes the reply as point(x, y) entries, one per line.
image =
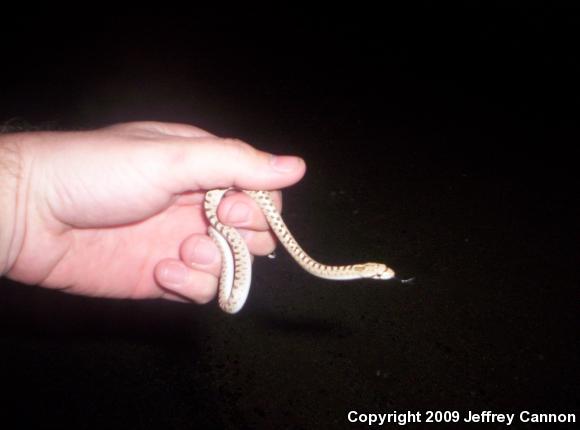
point(236, 270)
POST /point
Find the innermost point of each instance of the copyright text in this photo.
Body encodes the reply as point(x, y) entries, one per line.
point(406, 417)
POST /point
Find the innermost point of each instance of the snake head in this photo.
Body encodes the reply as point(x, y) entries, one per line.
point(374, 271)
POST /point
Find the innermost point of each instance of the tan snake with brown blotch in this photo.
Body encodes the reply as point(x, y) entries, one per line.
point(236, 271)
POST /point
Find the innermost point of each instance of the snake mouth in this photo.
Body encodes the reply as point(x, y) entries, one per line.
point(387, 274)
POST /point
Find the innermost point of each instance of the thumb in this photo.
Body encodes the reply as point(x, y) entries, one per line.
point(212, 162)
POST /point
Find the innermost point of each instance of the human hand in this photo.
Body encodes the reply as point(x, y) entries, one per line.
point(118, 211)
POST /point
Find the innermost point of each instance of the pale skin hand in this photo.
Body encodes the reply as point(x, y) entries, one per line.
point(118, 212)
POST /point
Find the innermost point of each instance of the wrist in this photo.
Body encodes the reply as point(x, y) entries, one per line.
point(10, 184)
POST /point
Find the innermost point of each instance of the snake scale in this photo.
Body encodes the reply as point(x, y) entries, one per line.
point(236, 271)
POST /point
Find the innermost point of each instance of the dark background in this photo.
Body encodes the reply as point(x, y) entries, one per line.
point(441, 142)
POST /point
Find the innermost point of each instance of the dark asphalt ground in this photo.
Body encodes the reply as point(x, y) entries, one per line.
point(442, 144)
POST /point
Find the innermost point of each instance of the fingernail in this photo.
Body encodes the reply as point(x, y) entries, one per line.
point(175, 273)
point(285, 163)
point(239, 212)
point(203, 252)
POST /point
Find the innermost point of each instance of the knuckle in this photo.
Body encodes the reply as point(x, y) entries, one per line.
point(239, 148)
point(132, 126)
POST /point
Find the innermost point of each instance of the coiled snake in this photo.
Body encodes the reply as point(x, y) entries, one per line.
point(236, 272)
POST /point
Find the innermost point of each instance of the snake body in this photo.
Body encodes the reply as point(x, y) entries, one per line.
point(236, 272)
